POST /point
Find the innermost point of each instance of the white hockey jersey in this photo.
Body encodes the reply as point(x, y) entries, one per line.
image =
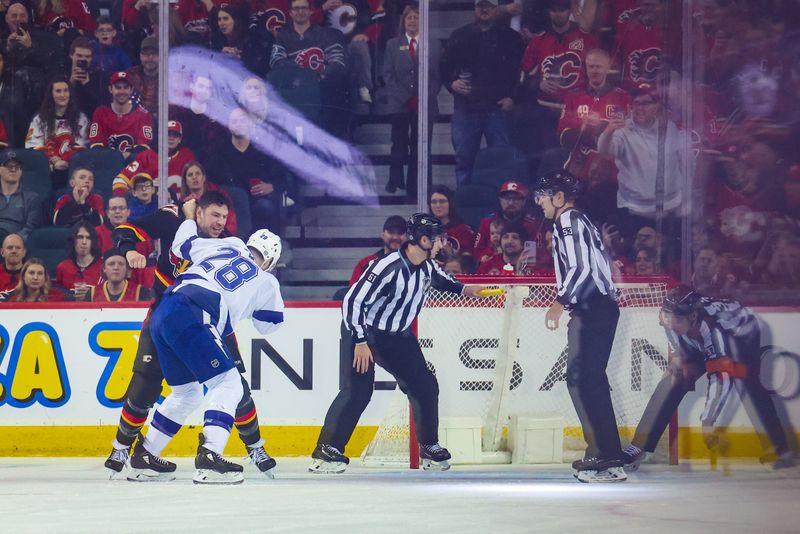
point(63, 142)
point(225, 267)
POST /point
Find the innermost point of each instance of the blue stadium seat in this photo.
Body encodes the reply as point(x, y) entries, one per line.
point(475, 201)
point(49, 244)
point(36, 173)
point(499, 164)
point(104, 162)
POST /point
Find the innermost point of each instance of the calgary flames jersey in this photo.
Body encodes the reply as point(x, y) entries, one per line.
point(63, 143)
point(120, 132)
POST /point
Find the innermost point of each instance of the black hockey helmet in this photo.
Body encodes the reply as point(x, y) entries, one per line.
point(558, 180)
point(680, 300)
point(421, 224)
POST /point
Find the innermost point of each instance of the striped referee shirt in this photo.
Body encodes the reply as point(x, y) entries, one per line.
point(582, 269)
point(390, 293)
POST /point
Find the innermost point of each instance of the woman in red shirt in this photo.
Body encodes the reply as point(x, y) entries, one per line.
point(442, 205)
point(33, 286)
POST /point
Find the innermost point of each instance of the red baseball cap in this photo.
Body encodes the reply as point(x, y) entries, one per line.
point(119, 76)
point(175, 127)
point(514, 187)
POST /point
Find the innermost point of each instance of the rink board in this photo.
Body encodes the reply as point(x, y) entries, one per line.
point(64, 372)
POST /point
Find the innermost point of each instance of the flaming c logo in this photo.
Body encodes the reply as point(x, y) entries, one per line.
point(311, 58)
point(567, 65)
point(644, 64)
point(121, 142)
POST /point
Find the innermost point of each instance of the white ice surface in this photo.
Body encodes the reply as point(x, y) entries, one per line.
point(73, 496)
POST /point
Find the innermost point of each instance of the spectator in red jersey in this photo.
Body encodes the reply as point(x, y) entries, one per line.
point(554, 63)
point(59, 130)
point(84, 266)
point(89, 86)
point(61, 16)
point(194, 182)
point(81, 204)
point(230, 35)
point(20, 210)
point(480, 66)
point(512, 258)
point(639, 46)
point(117, 285)
point(144, 77)
point(146, 163)
point(13, 253)
point(107, 55)
point(513, 200)
point(645, 262)
point(121, 125)
point(34, 285)
point(441, 202)
point(395, 233)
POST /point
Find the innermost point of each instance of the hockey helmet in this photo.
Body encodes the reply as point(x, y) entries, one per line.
point(559, 180)
point(422, 224)
point(680, 300)
point(268, 245)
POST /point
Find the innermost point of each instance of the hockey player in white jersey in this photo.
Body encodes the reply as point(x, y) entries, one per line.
point(227, 282)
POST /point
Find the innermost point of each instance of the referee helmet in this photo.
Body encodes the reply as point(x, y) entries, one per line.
point(421, 224)
point(559, 180)
point(680, 300)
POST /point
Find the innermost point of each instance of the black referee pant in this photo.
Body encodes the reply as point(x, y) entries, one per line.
point(401, 356)
point(590, 334)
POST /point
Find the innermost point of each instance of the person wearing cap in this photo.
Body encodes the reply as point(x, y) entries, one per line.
point(142, 198)
point(513, 205)
point(20, 210)
point(121, 125)
point(480, 66)
point(88, 86)
point(634, 145)
point(146, 162)
point(117, 285)
point(144, 77)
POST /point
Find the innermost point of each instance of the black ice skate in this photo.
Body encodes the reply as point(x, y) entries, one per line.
point(147, 467)
point(601, 470)
point(259, 457)
point(633, 457)
point(212, 468)
point(328, 459)
point(116, 461)
point(434, 457)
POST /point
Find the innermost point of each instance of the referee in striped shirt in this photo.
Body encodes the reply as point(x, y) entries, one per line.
point(585, 289)
point(379, 310)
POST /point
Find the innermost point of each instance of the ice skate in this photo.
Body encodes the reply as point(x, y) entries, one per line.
point(633, 456)
point(328, 459)
point(147, 467)
point(600, 470)
point(259, 457)
point(116, 461)
point(785, 461)
point(434, 457)
point(212, 468)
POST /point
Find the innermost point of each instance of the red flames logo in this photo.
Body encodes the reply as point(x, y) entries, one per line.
point(311, 58)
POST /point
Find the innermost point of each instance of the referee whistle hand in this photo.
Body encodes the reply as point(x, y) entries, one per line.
point(136, 260)
point(553, 316)
point(362, 358)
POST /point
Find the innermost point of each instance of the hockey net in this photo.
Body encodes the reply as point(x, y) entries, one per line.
point(494, 358)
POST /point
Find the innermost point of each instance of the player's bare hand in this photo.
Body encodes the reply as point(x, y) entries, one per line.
point(189, 207)
point(362, 358)
point(553, 315)
point(136, 260)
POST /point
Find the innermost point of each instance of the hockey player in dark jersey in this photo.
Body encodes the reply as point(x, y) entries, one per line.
point(722, 339)
point(145, 386)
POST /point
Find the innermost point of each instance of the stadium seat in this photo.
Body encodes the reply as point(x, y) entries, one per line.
point(36, 173)
point(475, 201)
point(104, 162)
point(495, 165)
point(241, 205)
point(299, 88)
point(49, 244)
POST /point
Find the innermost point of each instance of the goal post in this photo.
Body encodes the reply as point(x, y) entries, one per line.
point(494, 359)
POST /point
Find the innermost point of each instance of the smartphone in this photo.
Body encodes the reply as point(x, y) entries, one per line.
point(82, 64)
point(529, 249)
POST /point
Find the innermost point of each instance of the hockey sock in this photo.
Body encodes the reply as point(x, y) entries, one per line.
point(224, 393)
point(131, 421)
point(170, 416)
point(246, 421)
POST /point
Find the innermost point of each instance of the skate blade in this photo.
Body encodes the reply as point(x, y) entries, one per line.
point(209, 476)
point(430, 465)
point(610, 475)
point(146, 475)
point(112, 473)
point(269, 473)
point(325, 468)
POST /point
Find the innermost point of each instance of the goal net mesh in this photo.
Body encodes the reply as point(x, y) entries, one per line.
point(494, 358)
